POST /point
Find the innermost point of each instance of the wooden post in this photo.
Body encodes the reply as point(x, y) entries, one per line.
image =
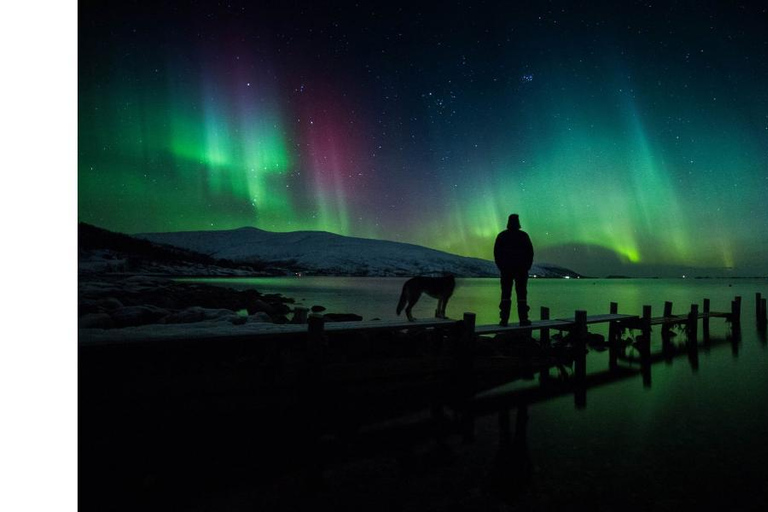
point(667, 313)
point(693, 323)
point(580, 347)
point(736, 325)
point(466, 378)
point(667, 348)
point(613, 339)
point(544, 332)
point(646, 322)
point(544, 341)
point(693, 346)
point(299, 315)
point(645, 346)
point(736, 314)
point(705, 320)
point(761, 316)
point(580, 330)
point(666, 335)
point(693, 355)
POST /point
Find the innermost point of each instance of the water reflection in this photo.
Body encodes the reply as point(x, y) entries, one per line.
point(349, 452)
point(512, 469)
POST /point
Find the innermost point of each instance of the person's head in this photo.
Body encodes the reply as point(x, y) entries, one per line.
point(513, 222)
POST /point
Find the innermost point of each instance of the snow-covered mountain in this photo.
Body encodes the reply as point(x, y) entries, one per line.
point(319, 252)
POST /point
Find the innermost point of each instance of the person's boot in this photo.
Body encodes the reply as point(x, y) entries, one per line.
point(504, 308)
point(522, 312)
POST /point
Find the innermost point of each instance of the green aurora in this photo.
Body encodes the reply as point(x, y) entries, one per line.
point(620, 149)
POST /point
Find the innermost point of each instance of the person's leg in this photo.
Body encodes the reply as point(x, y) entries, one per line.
point(506, 298)
point(521, 290)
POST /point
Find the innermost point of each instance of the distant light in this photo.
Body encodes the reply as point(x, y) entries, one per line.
point(567, 277)
point(683, 277)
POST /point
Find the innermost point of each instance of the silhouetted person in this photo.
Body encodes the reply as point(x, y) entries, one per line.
point(513, 253)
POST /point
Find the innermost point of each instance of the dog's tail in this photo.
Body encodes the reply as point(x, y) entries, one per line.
point(403, 300)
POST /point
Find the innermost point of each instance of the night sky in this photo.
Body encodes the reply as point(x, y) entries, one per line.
point(630, 137)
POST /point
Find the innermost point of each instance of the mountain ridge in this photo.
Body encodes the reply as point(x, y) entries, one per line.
point(325, 253)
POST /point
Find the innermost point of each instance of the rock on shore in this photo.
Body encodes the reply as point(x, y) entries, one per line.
point(114, 302)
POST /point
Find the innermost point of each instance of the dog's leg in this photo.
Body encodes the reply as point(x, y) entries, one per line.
point(412, 302)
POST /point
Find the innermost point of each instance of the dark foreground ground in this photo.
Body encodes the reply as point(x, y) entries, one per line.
point(246, 426)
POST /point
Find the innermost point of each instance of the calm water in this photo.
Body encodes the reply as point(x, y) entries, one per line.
point(696, 437)
point(377, 297)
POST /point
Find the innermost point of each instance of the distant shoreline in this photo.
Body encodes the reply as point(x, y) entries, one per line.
point(234, 276)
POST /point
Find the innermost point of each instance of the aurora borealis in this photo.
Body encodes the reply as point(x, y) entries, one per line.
point(626, 136)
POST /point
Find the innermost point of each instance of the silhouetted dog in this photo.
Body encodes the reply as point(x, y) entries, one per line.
point(441, 288)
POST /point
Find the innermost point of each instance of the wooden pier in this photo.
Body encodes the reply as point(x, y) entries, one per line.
point(305, 387)
point(316, 326)
point(458, 362)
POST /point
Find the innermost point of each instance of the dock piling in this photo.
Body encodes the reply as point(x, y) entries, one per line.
point(667, 314)
point(645, 346)
point(736, 314)
point(693, 323)
point(544, 332)
point(646, 322)
point(613, 339)
point(580, 346)
point(705, 320)
point(466, 378)
point(544, 341)
point(299, 315)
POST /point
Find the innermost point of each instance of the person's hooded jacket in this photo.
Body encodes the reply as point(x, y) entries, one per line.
point(513, 250)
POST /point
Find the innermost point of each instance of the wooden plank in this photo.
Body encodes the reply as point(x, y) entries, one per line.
point(225, 331)
point(377, 325)
point(614, 333)
point(601, 319)
point(681, 319)
point(535, 325)
point(665, 320)
point(253, 331)
point(545, 331)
